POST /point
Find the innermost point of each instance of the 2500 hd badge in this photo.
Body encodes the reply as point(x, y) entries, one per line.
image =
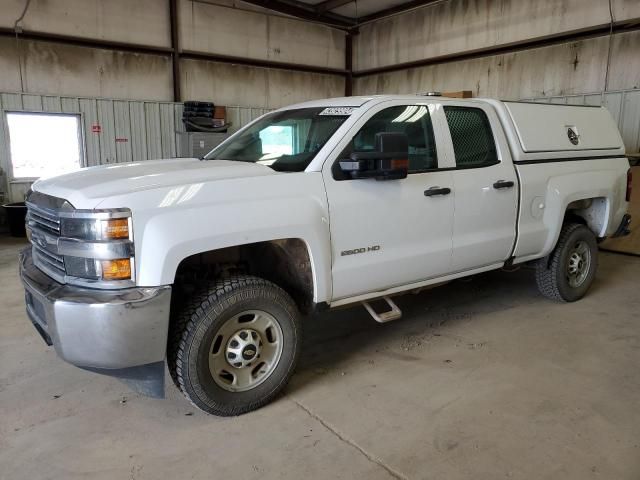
point(372, 248)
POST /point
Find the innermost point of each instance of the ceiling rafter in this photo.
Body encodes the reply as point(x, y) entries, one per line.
point(305, 12)
point(322, 12)
point(395, 10)
point(330, 5)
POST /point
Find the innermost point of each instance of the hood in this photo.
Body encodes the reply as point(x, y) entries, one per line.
point(87, 187)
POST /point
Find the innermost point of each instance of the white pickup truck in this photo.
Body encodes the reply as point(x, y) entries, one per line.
point(209, 263)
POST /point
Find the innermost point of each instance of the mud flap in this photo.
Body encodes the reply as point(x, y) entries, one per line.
point(147, 380)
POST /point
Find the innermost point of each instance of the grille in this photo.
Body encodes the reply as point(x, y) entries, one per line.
point(43, 219)
point(49, 262)
point(45, 227)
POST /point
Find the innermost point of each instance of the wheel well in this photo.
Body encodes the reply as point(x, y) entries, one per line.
point(591, 212)
point(285, 262)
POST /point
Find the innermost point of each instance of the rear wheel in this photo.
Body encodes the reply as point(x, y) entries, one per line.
point(568, 272)
point(234, 346)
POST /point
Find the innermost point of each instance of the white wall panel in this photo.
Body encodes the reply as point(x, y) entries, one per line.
point(243, 85)
point(138, 134)
point(563, 69)
point(89, 109)
point(70, 104)
point(51, 104)
point(57, 69)
point(11, 101)
point(167, 130)
point(225, 30)
point(153, 129)
point(32, 102)
point(459, 26)
point(139, 21)
point(122, 127)
point(106, 121)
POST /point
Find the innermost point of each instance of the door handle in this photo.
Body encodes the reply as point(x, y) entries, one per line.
point(437, 191)
point(503, 184)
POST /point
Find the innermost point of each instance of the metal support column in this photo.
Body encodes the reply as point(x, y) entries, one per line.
point(175, 45)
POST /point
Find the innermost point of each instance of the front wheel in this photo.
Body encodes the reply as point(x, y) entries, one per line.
point(568, 272)
point(234, 346)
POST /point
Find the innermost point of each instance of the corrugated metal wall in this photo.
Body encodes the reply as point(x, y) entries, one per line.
point(624, 105)
point(129, 130)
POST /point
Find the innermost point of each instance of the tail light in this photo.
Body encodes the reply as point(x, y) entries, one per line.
point(629, 185)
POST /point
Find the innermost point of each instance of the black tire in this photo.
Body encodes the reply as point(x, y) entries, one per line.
point(552, 271)
point(195, 327)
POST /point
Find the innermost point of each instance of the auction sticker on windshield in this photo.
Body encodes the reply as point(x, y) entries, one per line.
point(337, 111)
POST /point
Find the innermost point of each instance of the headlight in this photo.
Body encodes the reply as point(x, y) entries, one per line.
point(92, 269)
point(82, 267)
point(90, 248)
point(95, 229)
point(98, 246)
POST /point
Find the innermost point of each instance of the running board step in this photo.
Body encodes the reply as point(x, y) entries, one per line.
point(394, 314)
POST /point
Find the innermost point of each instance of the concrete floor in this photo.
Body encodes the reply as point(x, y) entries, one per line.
point(482, 379)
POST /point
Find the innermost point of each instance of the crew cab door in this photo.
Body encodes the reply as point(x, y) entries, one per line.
point(486, 186)
point(390, 233)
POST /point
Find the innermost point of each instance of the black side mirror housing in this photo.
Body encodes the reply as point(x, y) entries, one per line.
point(389, 161)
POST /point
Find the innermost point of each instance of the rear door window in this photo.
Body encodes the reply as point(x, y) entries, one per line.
point(472, 138)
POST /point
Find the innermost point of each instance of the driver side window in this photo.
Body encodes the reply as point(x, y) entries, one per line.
point(412, 120)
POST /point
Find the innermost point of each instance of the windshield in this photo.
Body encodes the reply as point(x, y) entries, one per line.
point(286, 141)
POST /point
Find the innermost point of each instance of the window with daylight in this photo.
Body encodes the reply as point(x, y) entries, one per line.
point(44, 144)
point(277, 140)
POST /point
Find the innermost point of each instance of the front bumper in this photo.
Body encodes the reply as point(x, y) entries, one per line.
point(100, 330)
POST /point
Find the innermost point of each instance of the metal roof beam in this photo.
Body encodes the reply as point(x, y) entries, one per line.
point(304, 12)
point(330, 5)
point(87, 42)
point(403, 7)
point(254, 62)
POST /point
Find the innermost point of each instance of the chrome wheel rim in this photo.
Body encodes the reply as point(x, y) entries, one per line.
point(578, 264)
point(245, 351)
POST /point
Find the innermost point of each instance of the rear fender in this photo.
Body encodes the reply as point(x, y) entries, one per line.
point(599, 187)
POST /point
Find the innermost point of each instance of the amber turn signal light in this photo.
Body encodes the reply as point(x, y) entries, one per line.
point(400, 163)
point(119, 269)
point(115, 228)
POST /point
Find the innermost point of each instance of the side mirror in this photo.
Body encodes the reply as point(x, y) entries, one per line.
point(389, 161)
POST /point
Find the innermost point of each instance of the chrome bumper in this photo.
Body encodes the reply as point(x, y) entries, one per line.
point(100, 330)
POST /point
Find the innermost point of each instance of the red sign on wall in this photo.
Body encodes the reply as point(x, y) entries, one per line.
point(95, 128)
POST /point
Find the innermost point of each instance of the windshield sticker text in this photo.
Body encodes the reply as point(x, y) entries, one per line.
point(337, 111)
